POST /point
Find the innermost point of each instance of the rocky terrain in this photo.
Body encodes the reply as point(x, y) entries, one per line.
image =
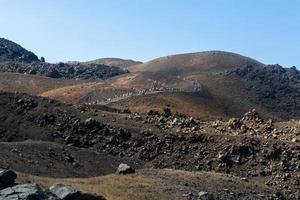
point(12, 51)
point(62, 70)
point(13, 191)
point(272, 86)
point(250, 147)
point(229, 85)
point(14, 58)
point(208, 125)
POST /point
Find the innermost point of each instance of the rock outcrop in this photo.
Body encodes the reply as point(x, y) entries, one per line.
point(62, 70)
point(23, 192)
point(33, 191)
point(271, 86)
point(68, 192)
point(7, 178)
point(12, 51)
point(125, 169)
point(14, 58)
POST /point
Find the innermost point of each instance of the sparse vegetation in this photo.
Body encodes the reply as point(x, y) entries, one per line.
point(177, 127)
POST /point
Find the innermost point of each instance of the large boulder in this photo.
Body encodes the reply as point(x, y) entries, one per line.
point(53, 73)
point(7, 178)
point(167, 112)
point(68, 192)
point(23, 192)
point(124, 169)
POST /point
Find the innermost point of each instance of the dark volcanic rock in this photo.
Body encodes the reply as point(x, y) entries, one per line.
point(68, 192)
point(14, 58)
point(69, 71)
point(7, 178)
point(273, 87)
point(243, 146)
point(53, 73)
point(23, 192)
point(12, 51)
point(36, 192)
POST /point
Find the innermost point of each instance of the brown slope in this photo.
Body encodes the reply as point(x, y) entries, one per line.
point(236, 88)
point(238, 82)
point(32, 84)
point(207, 61)
point(205, 105)
point(222, 96)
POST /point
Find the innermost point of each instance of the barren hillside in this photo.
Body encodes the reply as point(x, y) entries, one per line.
point(117, 62)
point(191, 63)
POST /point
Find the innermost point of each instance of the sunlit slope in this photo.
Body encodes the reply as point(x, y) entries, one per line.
point(191, 63)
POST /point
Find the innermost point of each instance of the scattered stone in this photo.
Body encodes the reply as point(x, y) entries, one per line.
point(202, 195)
point(187, 195)
point(167, 112)
point(125, 169)
point(244, 179)
point(68, 192)
point(153, 112)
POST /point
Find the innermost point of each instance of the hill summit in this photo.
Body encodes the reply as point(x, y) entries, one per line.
point(116, 62)
point(12, 51)
point(199, 62)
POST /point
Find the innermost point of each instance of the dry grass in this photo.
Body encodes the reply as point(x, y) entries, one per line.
point(195, 62)
point(155, 184)
point(117, 187)
point(195, 106)
point(145, 184)
point(73, 94)
point(32, 84)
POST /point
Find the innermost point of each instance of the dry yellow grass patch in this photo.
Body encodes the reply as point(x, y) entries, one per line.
point(167, 184)
point(117, 187)
point(72, 94)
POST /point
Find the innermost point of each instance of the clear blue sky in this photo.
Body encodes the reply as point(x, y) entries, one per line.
point(61, 30)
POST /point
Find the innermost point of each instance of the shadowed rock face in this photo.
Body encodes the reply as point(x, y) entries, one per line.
point(7, 178)
point(12, 51)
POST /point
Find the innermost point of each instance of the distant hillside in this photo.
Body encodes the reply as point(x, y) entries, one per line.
point(272, 87)
point(191, 63)
point(227, 83)
point(62, 70)
point(33, 84)
point(16, 59)
point(116, 62)
point(12, 51)
point(209, 84)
